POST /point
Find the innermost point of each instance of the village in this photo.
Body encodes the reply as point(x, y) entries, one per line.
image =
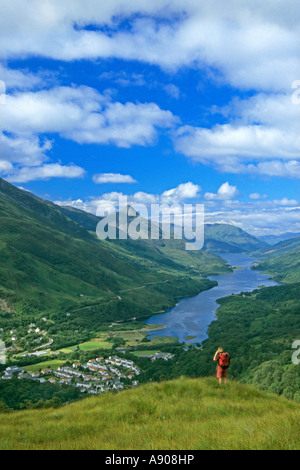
point(96, 376)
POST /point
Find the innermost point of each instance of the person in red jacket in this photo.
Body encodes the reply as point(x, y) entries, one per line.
point(223, 360)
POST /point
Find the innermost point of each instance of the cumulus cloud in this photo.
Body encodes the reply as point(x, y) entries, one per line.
point(262, 137)
point(84, 115)
point(23, 79)
point(257, 196)
point(5, 166)
point(225, 192)
point(180, 194)
point(252, 45)
point(286, 202)
point(227, 145)
point(80, 114)
point(44, 172)
point(23, 149)
point(275, 168)
point(257, 220)
point(113, 178)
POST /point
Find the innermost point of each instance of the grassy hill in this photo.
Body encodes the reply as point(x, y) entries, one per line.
point(284, 246)
point(184, 414)
point(282, 261)
point(228, 238)
point(51, 265)
point(49, 260)
point(284, 267)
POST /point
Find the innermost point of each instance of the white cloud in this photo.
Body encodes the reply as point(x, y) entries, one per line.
point(172, 90)
point(23, 79)
point(113, 178)
point(256, 196)
point(180, 193)
point(286, 202)
point(125, 125)
point(252, 45)
point(257, 220)
point(124, 78)
point(226, 145)
point(24, 149)
point(23, 158)
point(5, 166)
point(86, 206)
point(44, 172)
point(262, 138)
point(275, 168)
point(85, 116)
point(144, 198)
point(225, 192)
point(80, 114)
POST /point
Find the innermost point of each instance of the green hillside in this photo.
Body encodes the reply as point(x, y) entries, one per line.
point(185, 414)
point(259, 329)
point(284, 267)
point(286, 245)
point(48, 260)
point(228, 238)
point(51, 266)
point(282, 261)
point(85, 219)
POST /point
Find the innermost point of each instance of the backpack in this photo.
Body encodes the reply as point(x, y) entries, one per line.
point(224, 360)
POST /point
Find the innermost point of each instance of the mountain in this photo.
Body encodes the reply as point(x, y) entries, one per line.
point(274, 239)
point(85, 219)
point(228, 238)
point(284, 246)
point(219, 238)
point(183, 414)
point(282, 261)
point(53, 266)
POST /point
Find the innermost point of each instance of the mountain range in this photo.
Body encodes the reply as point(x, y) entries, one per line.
point(274, 239)
point(52, 260)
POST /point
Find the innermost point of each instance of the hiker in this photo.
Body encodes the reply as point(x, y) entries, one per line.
point(223, 360)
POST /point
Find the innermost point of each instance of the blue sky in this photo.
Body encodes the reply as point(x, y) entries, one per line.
point(182, 101)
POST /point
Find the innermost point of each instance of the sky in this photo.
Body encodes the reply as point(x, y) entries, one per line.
point(182, 101)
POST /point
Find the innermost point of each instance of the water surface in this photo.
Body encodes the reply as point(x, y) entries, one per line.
point(192, 316)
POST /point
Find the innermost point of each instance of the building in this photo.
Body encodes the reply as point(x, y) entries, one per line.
point(13, 370)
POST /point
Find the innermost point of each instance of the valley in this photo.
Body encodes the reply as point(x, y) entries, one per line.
point(68, 298)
